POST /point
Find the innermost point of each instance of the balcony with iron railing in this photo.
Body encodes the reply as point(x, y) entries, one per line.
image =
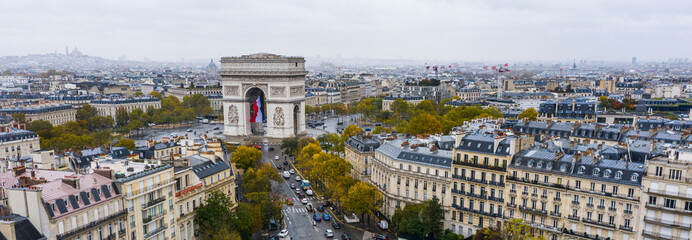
point(533, 210)
point(543, 227)
point(155, 231)
point(555, 214)
point(671, 223)
point(663, 192)
point(153, 202)
point(626, 228)
point(573, 217)
point(478, 165)
point(147, 219)
point(660, 235)
point(580, 235)
point(666, 177)
point(612, 209)
point(496, 183)
point(91, 225)
point(148, 188)
point(600, 223)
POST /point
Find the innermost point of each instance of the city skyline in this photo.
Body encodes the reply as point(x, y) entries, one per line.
point(401, 30)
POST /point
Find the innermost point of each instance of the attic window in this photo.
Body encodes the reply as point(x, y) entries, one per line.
point(635, 177)
point(468, 145)
point(530, 163)
point(581, 170)
point(618, 175)
point(606, 173)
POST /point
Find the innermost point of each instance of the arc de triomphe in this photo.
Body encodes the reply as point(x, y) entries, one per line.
point(279, 84)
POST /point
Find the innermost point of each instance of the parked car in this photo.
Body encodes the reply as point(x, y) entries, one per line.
point(380, 237)
point(336, 225)
point(316, 217)
point(216, 128)
point(328, 233)
point(345, 236)
point(325, 217)
point(283, 233)
point(293, 186)
point(189, 130)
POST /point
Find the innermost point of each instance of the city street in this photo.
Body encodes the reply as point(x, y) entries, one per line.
point(298, 220)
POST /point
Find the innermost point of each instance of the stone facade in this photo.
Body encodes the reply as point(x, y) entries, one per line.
point(281, 81)
point(109, 107)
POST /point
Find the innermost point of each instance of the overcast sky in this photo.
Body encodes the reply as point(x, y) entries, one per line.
point(443, 30)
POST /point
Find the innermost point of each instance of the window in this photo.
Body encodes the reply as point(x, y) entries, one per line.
point(652, 200)
point(669, 203)
point(688, 206)
point(630, 193)
point(618, 175)
point(674, 174)
point(659, 171)
point(606, 173)
point(596, 171)
point(635, 177)
point(581, 170)
point(615, 190)
point(577, 184)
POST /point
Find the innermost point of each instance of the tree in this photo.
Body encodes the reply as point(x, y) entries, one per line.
point(199, 103)
point(289, 145)
point(19, 117)
point(226, 234)
point(603, 100)
point(122, 116)
point(351, 130)
point(156, 95)
point(86, 112)
point(247, 219)
point(7, 72)
point(41, 127)
point(400, 108)
point(426, 106)
point(246, 157)
point(214, 215)
point(362, 198)
point(126, 143)
point(514, 229)
point(530, 113)
point(260, 180)
point(432, 216)
point(377, 130)
point(138, 94)
point(424, 124)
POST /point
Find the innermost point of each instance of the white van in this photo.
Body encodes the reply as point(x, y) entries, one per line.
point(308, 192)
point(286, 174)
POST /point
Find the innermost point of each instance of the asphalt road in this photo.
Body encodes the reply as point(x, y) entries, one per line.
point(298, 220)
point(197, 130)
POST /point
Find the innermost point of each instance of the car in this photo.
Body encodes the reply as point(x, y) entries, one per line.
point(336, 225)
point(258, 147)
point(320, 208)
point(325, 118)
point(283, 233)
point(339, 123)
point(380, 237)
point(305, 201)
point(276, 158)
point(151, 124)
point(316, 217)
point(285, 162)
point(328, 233)
point(293, 185)
point(286, 174)
point(292, 171)
point(216, 128)
point(298, 179)
point(325, 216)
point(279, 167)
point(289, 201)
point(189, 130)
point(345, 236)
point(301, 195)
point(271, 148)
point(309, 207)
point(308, 192)
point(326, 203)
point(297, 190)
point(367, 129)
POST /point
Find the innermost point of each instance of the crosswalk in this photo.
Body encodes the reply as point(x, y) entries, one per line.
point(296, 209)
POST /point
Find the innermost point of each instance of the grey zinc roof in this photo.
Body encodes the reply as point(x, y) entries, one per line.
point(420, 155)
point(209, 168)
point(561, 126)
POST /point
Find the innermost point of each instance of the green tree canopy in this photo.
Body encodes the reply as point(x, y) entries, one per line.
point(289, 145)
point(19, 117)
point(246, 157)
point(126, 143)
point(530, 113)
point(425, 124)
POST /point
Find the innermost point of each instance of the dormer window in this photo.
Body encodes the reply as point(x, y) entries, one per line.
point(596, 171)
point(530, 164)
point(618, 175)
point(635, 177)
point(540, 164)
point(606, 173)
point(581, 170)
point(549, 166)
point(563, 168)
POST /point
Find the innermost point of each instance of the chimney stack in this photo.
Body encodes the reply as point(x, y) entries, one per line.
point(72, 181)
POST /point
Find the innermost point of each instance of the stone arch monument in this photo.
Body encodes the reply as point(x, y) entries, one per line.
point(278, 81)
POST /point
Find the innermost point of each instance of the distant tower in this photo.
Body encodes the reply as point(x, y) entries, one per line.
point(212, 66)
point(67, 51)
point(634, 60)
point(574, 64)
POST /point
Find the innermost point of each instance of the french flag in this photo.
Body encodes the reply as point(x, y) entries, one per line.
point(257, 107)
